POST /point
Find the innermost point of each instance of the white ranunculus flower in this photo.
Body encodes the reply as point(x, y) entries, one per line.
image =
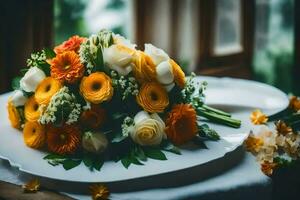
point(31, 79)
point(169, 87)
point(148, 129)
point(18, 98)
point(119, 39)
point(164, 73)
point(94, 142)
point(157, 55)
point(119, 58)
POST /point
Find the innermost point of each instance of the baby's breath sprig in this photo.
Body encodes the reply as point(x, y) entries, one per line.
point(63, 105)
point(127, 126)
point(127, 86)
point(36, 58)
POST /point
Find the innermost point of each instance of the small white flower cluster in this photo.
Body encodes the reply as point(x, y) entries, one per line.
point(127, 126)
point(62, 100)
point(36, 58)
point(126, 85)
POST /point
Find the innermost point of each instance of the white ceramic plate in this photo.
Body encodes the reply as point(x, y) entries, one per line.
point(238, 96)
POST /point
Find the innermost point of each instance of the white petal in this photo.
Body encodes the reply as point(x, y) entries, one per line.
point(156, 54)
point(18, 98)
point(141, 116)
point(164, 73)
point(31, 79)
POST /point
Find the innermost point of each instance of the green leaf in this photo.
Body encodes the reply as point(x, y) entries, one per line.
point(205, 131)
point(45, 67)
point(168, 146)
point(70, 164)
point(98, 163)
point(16, 83)
point(118, 137)
point(49, 53)
point(24, 70)
point(139, 153)
point(154, 153)
point(199, 141)
point(88, 161)
point(54, 156)
point(126, 162)
point(99, 60)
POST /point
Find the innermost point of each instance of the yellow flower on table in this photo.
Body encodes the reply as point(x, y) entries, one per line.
point(153, 97)
point(257, 117)
point(253, 144)
point(34, 134)
point(181, 124)
point(67, 67)
point(31, 186)
point(13, 115)
point(32, 110)
point(267, 168)
point(96, 88)
point(46, 89)
point(99, 192)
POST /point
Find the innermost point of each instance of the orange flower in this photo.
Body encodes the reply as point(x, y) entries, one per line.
point(268, 168)
point(144, 69)
point(181, 124)
point(257, 117)
point(32, 186)
point(253, 144)
point(294, 103)
point(32, 110)
point(93, 118)
point(67, 67)
point(34, 135)
point(99, 192)
point(46, 89)
point(13, 115)
point(72, 44)
point(152, 97)
point(282, 128)
point(179, 76)
point(96, 88)
point(63, 140)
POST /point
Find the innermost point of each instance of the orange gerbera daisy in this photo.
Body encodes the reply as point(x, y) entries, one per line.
point(66, 67)
point(96, 88)
point(153, 97)
point(144, 69)
point(46, 89)
point(72, 44)
point(34, 135)
point(13, 115)
point(181, 124)
point(93, 118)
point(179, 76)
point(32, 110)
point(63, 140)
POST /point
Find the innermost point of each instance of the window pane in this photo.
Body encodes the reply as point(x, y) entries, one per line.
point(84, 17)
point(228, 27)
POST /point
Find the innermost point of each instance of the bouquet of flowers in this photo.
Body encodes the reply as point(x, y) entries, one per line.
point(276, 146)
point(98, 98)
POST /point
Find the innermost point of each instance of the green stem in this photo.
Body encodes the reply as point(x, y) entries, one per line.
point(217, 111)
point(219, 118)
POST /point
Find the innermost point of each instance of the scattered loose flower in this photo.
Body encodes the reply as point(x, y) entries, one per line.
point(257, 117)
point(32, 186)
point(99, 192)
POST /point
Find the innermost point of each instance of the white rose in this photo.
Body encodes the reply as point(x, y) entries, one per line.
point(164, 73)
point(169, 87)
point(148, 129)
point(31, 79)
point(118, 39)
point(157, 55)
point(18, 98)
point(119, 58)
point(94, 142)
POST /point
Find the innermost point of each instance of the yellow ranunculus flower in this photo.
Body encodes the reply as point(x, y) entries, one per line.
point(96, 88)
point(46, 89)
point(13, 115)
point(153, 97)
point(179, 76)
point(34, 135)
point(144, 69)
point(32, 110)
